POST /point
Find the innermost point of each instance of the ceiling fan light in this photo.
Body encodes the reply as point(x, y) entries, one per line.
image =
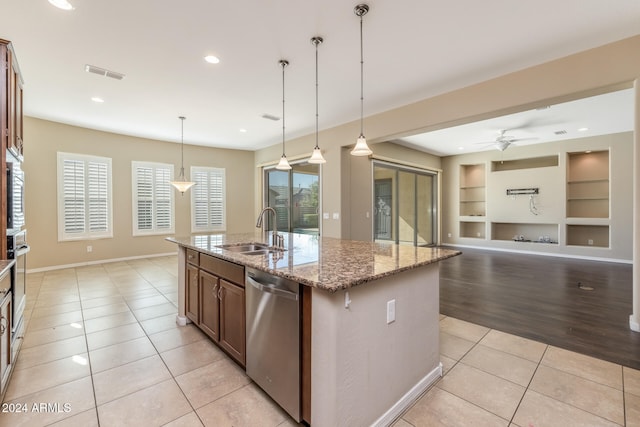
point(361, 148)
point(502, 145)
point(283, 164)
point(316, 157)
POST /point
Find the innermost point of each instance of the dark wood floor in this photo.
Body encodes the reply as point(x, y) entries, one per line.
point(540, 298)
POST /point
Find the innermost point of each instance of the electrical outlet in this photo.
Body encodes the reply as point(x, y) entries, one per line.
point(449, 235)
point(336, 215)
point(590, 242)
point(89, 248)
point(391, 311)
point(325, 215)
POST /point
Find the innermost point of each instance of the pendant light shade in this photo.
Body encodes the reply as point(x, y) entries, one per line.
point(181, 184)
point(316, 157)
point(284, 163)
point(361, 148)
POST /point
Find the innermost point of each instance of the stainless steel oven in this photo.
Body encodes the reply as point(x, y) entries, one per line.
point(17, 248)
point(15, 195)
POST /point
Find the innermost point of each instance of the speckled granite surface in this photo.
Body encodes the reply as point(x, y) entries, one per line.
point(322, 262)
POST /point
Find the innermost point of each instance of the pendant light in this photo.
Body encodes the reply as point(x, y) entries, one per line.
point(316, 157)
point(182, 184)
point(284, 163)
point(361, 148)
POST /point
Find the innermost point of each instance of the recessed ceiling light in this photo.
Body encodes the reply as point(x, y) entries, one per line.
point(460, 148)
point(62, 4)
point(243, 131)
point(212, 59)
point(583, 129)
point(588, 151)
point(97, 99)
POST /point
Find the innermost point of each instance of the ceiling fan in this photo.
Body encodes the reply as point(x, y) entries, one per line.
point(503, 141)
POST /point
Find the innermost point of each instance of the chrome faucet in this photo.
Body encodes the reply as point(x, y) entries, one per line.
point(277, 240)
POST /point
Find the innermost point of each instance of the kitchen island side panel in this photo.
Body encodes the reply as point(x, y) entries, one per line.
point(361, 366)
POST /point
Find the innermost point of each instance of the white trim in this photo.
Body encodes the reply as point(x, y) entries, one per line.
point(103, 261)
point(409, 398)
point(551, 254)
point(633, 324)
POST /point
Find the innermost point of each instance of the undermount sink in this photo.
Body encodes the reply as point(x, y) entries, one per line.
point(249, 248)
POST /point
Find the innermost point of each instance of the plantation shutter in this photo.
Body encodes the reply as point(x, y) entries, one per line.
point(208, 199)
point(84, 197)
point(152, 198)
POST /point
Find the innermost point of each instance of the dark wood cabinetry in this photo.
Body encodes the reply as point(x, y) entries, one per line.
point(209, 305)
point(5, 341)
point(193, 309)
point(232, 319)
point(215, 301)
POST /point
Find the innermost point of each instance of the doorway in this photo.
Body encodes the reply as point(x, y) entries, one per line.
point(295, 196)
point(405, 205)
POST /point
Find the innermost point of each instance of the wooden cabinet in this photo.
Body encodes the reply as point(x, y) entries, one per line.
point(14, 143)
point(5, 341)
point(192, 297)
point(232, 319)
point(215, 301)
point(209, 305)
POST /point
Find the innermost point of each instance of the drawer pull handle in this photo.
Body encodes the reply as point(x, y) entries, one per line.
point(3, 328)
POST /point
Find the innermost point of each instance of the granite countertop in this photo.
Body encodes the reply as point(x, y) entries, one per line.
point(322, 262)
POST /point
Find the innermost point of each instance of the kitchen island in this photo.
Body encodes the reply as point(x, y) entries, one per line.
point(370, 311)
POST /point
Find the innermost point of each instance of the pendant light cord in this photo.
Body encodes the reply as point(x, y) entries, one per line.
point(361, 81)
point(317, 42)
point(284, 64)
point(181, 145)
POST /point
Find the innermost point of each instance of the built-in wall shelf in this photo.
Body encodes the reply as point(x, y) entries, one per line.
point(525, 232)
point(528, 163)
point(472, 190)
point(588, 184)
point(472, 229)
point(588, 235)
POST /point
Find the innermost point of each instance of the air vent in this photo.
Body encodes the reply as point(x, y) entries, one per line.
point(103, 72)
point(270, 117)
point(560, 132)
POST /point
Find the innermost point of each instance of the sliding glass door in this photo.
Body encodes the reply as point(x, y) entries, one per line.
point(295, 196)
point(405, 202)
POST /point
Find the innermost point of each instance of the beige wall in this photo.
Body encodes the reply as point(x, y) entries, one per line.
point(551, 202)
point(44, 139)
point(587, 73)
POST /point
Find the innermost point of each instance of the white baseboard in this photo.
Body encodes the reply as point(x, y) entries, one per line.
point(633, 324)
point(103, 261)
point(551, 254)
point(409, 398)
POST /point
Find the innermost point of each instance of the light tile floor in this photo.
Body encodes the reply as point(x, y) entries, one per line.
point(102, 349)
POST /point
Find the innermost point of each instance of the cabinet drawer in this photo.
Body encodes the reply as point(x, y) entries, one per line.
point(193, 257)
point(222, 268)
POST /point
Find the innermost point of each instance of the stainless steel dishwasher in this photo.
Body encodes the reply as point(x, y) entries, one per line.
point(273, 337)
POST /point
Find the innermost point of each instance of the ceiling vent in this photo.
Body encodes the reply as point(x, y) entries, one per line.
point(560, 132)
point(103, 72)
point(270, 117)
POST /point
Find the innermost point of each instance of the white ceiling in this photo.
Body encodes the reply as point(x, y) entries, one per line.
point(414, 49)
point(597, 115)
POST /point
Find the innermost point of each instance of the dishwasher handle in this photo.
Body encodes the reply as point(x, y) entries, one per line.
point(272, 289)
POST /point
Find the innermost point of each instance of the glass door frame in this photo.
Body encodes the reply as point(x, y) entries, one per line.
point(265, 192)
point(436, 222)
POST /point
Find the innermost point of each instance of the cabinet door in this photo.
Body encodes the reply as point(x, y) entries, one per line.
point(209, 306)
point(193, 300)
point(232, 320)
point(5, 340)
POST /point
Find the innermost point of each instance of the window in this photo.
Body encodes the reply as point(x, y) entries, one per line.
point(153, 210)
point(84, 197)
point(208, 199)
